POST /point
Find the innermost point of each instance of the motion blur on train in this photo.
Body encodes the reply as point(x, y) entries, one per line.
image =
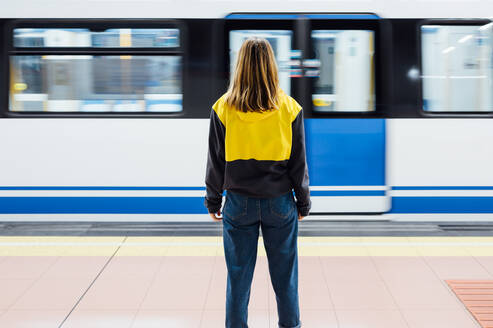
point(106, 119)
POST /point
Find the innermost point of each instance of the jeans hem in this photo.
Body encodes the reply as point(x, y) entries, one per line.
point(297, 326)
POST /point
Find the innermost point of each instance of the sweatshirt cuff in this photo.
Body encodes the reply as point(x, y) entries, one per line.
point(213, 205)
point(304, 210)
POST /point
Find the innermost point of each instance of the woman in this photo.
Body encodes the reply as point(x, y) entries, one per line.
point(257, 154)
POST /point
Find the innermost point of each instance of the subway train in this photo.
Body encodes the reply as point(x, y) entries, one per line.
point(104, 106)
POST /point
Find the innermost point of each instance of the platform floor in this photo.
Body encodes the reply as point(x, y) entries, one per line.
point(146, 282)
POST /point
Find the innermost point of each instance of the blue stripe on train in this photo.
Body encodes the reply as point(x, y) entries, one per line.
point(442, 205)
point(195, 205)
point(127, 205)
point(103, 205)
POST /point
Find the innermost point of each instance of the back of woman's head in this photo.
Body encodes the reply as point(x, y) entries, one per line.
point(254, 85)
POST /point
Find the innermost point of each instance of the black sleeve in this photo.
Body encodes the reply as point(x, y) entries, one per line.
point(216, 162)
point(298, 169)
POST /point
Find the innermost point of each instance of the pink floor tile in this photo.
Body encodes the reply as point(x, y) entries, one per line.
point(454, 267)
point(216, 298)
point(216, 295)
point(262, 264)
point(216, 318)
point(213, 319)
point(348, 269)
point(271, 296)
point(371, 319)
point(310, 319)
point(486, 262)
point(177, 293)
point(11, 290)
point(51, 294)
point(361, 296)
point(115, 293)
point(186, 266)
point(173, 292)
point(439, 319)
point(259, 298)
point(426, 296)
point(100, 319)
point(142, 267)
point(310, 268)
point(404, 269)
point(25, 267)
point(314, 295)
point(68, 267)
point(258, 318)
point(220, 265)
point(32, 318)
point(168, 319)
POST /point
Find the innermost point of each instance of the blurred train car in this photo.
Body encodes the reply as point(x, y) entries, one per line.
point(104, 108)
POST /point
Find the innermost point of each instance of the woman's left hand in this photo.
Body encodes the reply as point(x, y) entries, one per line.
point(216, 216)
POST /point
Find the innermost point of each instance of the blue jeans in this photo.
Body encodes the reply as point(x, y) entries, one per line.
point(278, 218)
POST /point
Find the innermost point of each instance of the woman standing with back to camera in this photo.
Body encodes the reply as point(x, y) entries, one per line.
point(257, 154)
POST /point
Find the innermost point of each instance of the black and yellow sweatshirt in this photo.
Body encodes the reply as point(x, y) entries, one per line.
point(257, 154)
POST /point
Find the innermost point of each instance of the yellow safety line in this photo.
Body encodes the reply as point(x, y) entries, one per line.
point(213, 246)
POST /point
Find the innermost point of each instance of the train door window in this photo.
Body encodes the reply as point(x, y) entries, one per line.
point(457, 68)
point(129, 70)
point(342, 70)
point(280, 40)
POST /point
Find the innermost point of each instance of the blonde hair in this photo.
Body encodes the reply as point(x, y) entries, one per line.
point(255, 83)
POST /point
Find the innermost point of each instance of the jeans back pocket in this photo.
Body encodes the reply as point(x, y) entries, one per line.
point(235, 205)
point(282, 206)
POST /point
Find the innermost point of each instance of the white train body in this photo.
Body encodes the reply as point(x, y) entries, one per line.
point(428, 166)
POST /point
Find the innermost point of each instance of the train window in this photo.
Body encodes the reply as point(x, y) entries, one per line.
point(280, 40)
point(457, 68)
point(69, 70)
point(83, 83)
point(342, 70)
point(83, 37)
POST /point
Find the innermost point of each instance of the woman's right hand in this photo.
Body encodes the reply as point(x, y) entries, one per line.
point(300, 217)
point(216, 216)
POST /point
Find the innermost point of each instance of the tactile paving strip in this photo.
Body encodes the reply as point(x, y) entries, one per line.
point(477, 296)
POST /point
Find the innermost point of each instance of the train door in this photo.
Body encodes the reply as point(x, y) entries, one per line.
point(327, 63)
point(345, 131)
